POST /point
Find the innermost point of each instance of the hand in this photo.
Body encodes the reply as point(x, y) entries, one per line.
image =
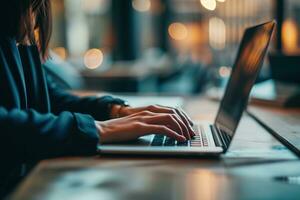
point(183, 119)
point(140, 124)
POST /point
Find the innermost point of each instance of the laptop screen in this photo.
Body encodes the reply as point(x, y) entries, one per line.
point(249, 60)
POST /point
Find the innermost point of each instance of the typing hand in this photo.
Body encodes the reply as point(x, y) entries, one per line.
point(179, 114)
point(139, 123)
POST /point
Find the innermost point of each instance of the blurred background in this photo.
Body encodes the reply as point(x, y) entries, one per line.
point(180, 47)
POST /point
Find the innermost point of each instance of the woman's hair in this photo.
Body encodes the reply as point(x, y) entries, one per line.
point(28, 21)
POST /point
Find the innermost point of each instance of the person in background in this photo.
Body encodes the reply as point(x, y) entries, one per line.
point(39, 121)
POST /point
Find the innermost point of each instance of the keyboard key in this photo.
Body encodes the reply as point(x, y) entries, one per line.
point(196, 145)
point(204, 138)
point(199, 140)
point(169, 142)
point(196, 142)
point(158, 140)
point(182, 144)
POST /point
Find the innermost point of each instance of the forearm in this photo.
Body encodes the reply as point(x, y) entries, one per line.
point(98, 107)
point(29, 135)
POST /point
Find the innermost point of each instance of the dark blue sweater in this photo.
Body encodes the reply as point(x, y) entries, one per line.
point(38, 120)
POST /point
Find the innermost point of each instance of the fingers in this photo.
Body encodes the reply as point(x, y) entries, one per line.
point(186, 121)
point(186, 131)
point(144, 123)
point(171, 121)
point(165, 109)
point(180, 117)
point(174, 119)
point(169, 117)
point(162, 109)
point(186, 116)
point(163, 130)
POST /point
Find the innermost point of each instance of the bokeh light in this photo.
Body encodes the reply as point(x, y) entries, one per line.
point(61, 52)
point(290, 36)
point(93, 58)
point(209, 4)
point(141, 5)
point(178, 31)
point(217, 33)
point(224, 72)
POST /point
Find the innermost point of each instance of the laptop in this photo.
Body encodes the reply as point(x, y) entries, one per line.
point(282, 124)
point(212, 139)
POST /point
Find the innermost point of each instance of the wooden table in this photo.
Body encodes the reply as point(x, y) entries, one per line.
point(254, 155)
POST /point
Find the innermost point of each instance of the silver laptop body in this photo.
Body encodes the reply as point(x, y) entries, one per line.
point(213, 138)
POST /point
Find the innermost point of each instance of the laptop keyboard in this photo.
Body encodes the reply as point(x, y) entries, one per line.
point(198, 140)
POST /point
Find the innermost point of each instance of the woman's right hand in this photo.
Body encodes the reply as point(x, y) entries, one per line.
point(140, 124)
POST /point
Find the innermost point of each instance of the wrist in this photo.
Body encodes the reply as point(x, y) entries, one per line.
point(114, 112)
point(101, 131)
point(118, 111)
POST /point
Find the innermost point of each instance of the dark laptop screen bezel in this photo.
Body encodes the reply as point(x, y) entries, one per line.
point(220, 122)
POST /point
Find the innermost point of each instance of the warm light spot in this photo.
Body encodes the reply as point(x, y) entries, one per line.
point(178, 31)
point(93, 58)
point(217, 33)
point(205, 184)
point(61, 52)
point(221, 1)
point(141, 5)
point(209, 4)
point(195, 35)
point(94, 6)
point(290, 36)
point(224, 72)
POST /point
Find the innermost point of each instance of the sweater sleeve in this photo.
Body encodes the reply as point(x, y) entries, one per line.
point(97, 107)
point(28, 135)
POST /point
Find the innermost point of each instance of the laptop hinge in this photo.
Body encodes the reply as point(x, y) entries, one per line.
point(216, 135)
point(225, 137)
